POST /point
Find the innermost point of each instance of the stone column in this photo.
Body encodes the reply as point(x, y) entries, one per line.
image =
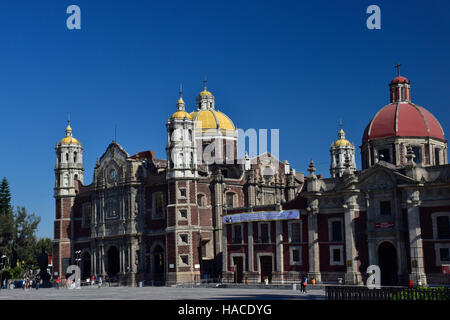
point(352, 276)
point(102, 260)
point(121, 259)
point(93, 260)
point(218, 195)
point(415, 238)
point(251, 261)
point(279, 251)
point(313, 242)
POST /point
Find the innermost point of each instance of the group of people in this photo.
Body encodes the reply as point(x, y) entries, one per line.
point(68, 284)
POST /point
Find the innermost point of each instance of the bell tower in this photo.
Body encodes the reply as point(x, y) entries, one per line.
point(68, 170)
point(181, 152)
point(340, 151)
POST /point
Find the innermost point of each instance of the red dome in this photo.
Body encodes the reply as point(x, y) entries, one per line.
point(399, 79)
point(403, 119)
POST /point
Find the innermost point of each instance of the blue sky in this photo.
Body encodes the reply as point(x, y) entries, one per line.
point(297, 66)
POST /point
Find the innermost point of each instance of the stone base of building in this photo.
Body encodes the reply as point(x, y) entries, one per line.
point(251, 277)
point(227, 277)
point(173, 278)
point(127, 279)
point(277, 277)
point(314, 275)
point(438, 278)
point(418, 278)
point(353, 278)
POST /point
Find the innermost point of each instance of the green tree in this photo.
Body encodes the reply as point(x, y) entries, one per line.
point(24, 238)
point(5, 196)
point(6, 220)
point(43, 244)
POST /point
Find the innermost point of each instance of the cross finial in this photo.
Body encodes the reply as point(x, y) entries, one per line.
point(204, 83)
point(68, 119)
point(340, 124)
point(397, 66)
point(181, 89)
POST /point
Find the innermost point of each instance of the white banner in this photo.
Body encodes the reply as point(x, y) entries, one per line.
point(261, 216)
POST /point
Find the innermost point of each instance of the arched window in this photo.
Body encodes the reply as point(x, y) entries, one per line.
point(74, 157)
point(67, 157)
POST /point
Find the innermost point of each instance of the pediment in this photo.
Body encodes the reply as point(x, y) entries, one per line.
point(116, 152)
point(379, 177)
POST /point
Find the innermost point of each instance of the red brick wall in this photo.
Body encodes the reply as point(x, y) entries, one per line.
point(426, 225)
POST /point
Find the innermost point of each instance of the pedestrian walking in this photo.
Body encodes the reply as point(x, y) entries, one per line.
point(100, 282)
point(58, 280)
point(92, 280)
point(304, 283)
point(38, 282)
point(301, 285)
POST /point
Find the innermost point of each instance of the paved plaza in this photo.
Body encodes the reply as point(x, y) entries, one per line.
point(160, 293)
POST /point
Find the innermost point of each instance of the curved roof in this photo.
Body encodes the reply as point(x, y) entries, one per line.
point(211, 119)
point(403, 119)
point(180, 114)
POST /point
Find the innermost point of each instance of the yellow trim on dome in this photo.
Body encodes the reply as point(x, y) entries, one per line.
point(342, 143)
point(180, 114)
point(69, 140)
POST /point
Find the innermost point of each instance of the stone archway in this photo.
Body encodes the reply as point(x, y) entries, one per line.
point(85, 265)
point(387, 261)
point(113, 266)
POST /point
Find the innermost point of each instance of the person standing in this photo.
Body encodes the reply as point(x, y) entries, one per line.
point(100, 282)
point(58, 280)
point(92, 280)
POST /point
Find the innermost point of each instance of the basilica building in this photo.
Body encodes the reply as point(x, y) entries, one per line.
point(203, 212)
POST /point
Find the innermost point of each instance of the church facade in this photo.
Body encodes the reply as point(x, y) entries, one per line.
point(204, 213)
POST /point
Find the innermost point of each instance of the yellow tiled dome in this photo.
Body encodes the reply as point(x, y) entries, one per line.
point(212, 119)
point(205, 93)
point(342, 143)
point(181, 115)
point(68, 139)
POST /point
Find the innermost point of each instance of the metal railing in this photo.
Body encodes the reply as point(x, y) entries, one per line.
point(386, 293)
